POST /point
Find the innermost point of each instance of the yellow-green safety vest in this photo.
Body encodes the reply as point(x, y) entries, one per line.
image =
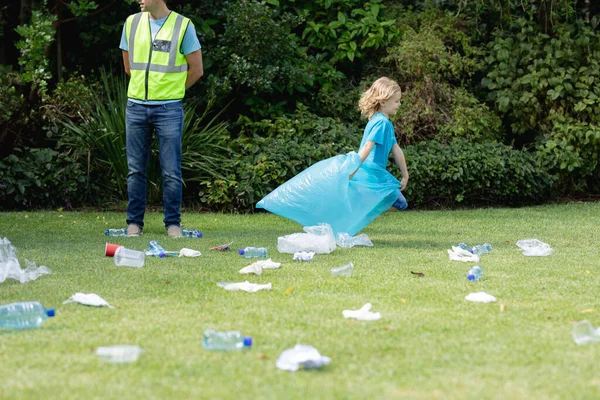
point(158, 69)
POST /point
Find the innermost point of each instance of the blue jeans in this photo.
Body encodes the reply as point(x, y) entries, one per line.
point(400, 203)
point(167, 122)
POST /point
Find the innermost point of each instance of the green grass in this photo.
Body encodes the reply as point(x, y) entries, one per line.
point(430, 343)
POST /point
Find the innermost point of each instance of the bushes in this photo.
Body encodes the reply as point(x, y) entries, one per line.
point(41, 178)
point(474, 174)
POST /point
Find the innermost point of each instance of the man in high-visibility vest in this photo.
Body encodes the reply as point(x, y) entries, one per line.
point(163, 58)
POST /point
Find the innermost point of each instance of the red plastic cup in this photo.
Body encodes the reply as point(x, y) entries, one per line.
point(110, 249)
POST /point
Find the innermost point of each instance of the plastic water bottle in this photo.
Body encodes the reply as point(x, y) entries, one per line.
point(228, 340)
point(475, 273)
point(253, 252)
point(481, 249)
point(24, 315)
point(116, 232)
point(192, 233)
point(463, 246)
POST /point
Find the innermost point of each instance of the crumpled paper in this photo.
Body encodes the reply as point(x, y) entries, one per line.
point(301, 356)
point(458, 254)
point(189, 253)
point(245, 286)
point(89, 299)
point(534, 248)
point(257, 267)
point(304, 255)
point(363, 314)
point(480, 297)
point(347, 241)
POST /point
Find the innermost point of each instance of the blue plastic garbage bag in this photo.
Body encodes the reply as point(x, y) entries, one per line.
point(323, 193)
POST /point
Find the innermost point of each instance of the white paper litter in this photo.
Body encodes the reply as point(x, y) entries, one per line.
point(301, 356)
point(257, 267)
point(480, 297)
point(304, 255)
point(245, 286)
point(347, 241)
point(89, 299)
point(189, 253)
point(534, 248)
point(363, 314)
point(11, 269)
point(458, 254)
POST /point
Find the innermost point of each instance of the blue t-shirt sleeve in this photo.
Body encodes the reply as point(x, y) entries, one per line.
point(124, 45)
point(377, 132)
point(190, 40)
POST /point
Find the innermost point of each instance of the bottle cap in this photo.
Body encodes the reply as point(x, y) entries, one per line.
point(199, 234)
point(247, 341)
point(241, 252)
point(162, 255)
point(50, 312)
point(471, 277)
point(106, 232)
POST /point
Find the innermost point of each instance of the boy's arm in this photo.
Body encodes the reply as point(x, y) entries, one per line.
point(195, 68)
point(363, 153)
point(126, 62)
point(401, 163)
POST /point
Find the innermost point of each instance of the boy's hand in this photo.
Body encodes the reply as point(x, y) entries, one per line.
point(403, 183)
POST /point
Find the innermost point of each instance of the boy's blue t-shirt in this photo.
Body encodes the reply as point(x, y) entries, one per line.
point(189, 45)
point(379, 130)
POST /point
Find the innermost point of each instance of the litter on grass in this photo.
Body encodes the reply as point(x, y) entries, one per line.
point(189, 253)
point(119, 354)
point(362, 314)
point(347, 241)
point(480, 297)
point(244, 286)
point(534, 248)
point(318, 238)
point(304, 255)
point(344, 270)
point(301, 356)
point(458, 254)
point(89, 299)
point(11, 269)
point(258, 266)
point(584, 333)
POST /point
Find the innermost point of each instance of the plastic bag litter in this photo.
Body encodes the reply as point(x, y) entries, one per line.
point(10, 267)
point(189, 253)
point(304, 255)
point(89, 299)
point(318, 238)
point(534, 248)
point(458, 254)
point(362, 314)
point(301, 356)
point(347, 241)
point(245, 286)
point(324, 193)
point(584, 333)
point(480, 297)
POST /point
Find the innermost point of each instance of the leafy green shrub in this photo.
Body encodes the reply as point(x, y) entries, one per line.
point(268, 153)
point(41, 178)
point(473, 174)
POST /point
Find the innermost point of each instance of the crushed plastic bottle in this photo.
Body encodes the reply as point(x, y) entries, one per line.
point(481, 249)
point(24, 315)
point(116, 232)
point(475, 273)
point(227, 340)
point(191, 233)
point(253, 252)
point(155, 249)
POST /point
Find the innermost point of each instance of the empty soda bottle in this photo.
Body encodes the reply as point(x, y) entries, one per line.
point(253, 252)
point(24, 315)
point(481, 249)
point(475, 273)
point(192, 233)
point(228, 340)
point(116, 232)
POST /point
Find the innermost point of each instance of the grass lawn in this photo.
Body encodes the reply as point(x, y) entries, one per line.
point(430, 343)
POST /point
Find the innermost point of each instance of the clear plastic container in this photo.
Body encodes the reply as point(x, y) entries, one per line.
point(119, 353)
point(253, 252)
point(344, 270)
point(129, 258)
point(226, 340)
point(24, 315)
point(116, 232)
point(475, 273)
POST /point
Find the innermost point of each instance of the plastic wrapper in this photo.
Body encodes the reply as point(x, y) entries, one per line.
point(301, 356)
point(324, 193)
point(534, 248)
point(318, 239)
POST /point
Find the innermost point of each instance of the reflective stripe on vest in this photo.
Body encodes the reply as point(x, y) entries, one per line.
point(158, 69)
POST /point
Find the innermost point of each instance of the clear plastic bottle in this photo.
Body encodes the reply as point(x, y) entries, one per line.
point(253, 252)
point(481, 249)
point(475, 273)
point(24, 315)
point(227, 340)
point(156, 249)
point(191, 233)
point(116, 232)
point(463, 246)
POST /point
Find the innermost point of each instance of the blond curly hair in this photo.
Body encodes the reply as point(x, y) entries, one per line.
point(381, 90)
